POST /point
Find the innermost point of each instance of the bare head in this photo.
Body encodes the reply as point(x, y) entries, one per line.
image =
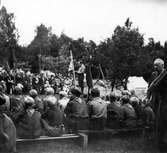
point(158, 65)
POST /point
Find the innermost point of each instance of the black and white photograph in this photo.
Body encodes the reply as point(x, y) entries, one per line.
point(83, 76)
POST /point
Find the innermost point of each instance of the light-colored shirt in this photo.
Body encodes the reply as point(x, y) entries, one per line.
point(81, 69)
point(64, 101)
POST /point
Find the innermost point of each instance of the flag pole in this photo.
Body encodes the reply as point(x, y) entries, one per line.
point(101, 71)
point(73, 68)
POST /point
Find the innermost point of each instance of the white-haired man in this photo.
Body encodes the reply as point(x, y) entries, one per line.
point(158, 69)
point(158, 91)
point(158, 66)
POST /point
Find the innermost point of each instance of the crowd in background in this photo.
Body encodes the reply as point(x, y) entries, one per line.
point(27, 80)
point(54, 114)
point(48, 104)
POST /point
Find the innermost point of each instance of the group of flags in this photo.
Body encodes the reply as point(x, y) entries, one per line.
point(89, 79)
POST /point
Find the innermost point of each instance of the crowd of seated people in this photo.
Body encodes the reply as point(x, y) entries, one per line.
point(49, 115)
point(26, 80)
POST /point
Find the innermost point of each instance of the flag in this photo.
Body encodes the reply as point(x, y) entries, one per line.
point(12, 59)
point(71, 66)
point(101, 72)
point(89, 79)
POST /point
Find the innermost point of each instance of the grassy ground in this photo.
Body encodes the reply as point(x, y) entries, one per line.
point(116, 144)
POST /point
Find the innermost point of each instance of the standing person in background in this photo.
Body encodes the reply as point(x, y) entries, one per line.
point(80, 73)
point(9, 84)
point(89, 79)
point(158, 97)
point(153, 94)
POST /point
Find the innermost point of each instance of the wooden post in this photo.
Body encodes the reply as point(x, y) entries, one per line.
point(84, 140)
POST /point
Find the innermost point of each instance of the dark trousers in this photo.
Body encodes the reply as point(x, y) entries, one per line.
point(97, 123)
point(81, 81)
point(74, 124)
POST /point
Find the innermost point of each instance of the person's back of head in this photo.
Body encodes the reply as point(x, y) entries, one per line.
point(62, 94)
point(134, 101)
point(29, 102)
point(49, 91)
point(112, 97)
point(125, 99)
point(18, 90)
point(33, 93)
point(51, 102)
point(75, 92)
point(95, 92)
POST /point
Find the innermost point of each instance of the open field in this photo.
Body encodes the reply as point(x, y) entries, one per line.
point(116, 144)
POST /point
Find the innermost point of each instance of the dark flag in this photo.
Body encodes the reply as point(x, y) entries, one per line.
point(89, 79)
point(36, 64)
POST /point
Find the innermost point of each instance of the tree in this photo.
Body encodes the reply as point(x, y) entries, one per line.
point(8, 35)
point(54, 45)
point(41, 42)
point(126, 46)
point(78, 48)
point(155, 49)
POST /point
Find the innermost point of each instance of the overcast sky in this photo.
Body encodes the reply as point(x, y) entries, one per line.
point(91, 19)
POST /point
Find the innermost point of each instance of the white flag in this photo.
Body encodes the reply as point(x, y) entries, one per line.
point(71, 66)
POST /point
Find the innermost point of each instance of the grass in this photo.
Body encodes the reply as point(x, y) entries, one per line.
point(114, 144)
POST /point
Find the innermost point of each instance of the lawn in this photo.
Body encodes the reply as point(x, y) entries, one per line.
point(114, 144)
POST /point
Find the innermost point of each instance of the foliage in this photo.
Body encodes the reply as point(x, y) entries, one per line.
point(121, 53)
point(54, 45)
point(120, 56)
point(8, 35)
point(41, 42)
point(55, 64)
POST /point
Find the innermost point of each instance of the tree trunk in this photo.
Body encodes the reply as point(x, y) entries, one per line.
point(113, 84)
point(125, 84)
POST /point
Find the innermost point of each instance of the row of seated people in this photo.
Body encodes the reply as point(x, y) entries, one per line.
point(34, 117)
point(120, 112)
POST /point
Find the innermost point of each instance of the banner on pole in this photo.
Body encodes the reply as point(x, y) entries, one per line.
point(71, 66)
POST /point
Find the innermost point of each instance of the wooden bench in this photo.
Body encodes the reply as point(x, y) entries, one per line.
point(108, 131)
point(81, 137)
